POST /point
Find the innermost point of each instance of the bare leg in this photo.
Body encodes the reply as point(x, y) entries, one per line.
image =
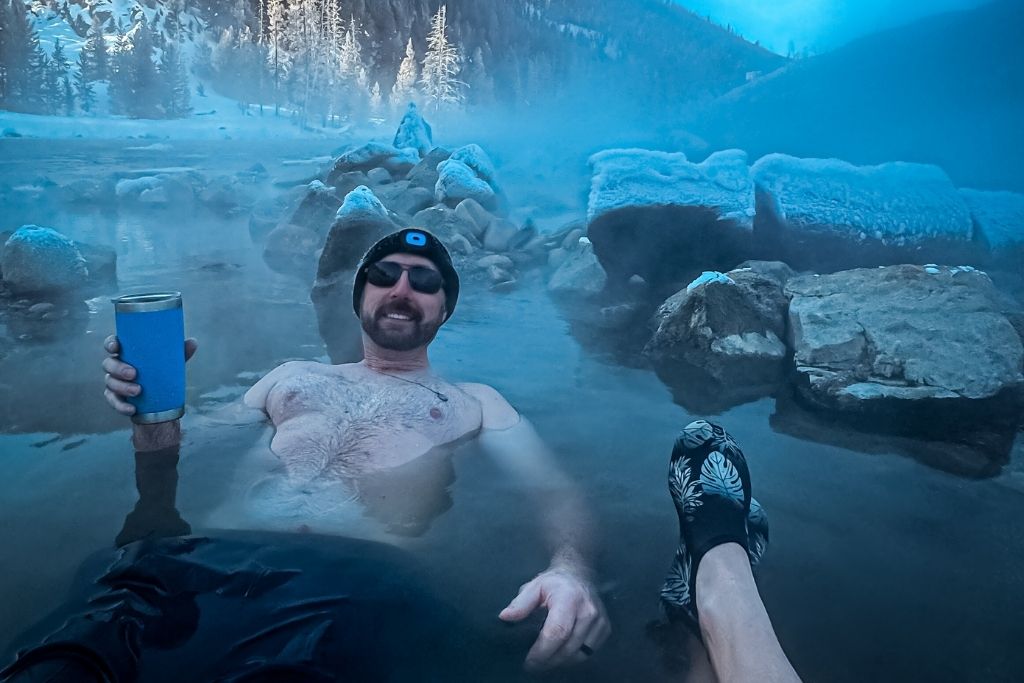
point(700, 670)
point(737, 631)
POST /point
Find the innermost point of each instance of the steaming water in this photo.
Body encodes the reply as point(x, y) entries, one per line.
point(879, 568)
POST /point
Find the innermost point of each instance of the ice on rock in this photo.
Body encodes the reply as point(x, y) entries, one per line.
point(38, 259)
point(999, 216)
point(709, 276)
point(476, 158)
point(361, 200)
point(625, 178)
point(456, 181)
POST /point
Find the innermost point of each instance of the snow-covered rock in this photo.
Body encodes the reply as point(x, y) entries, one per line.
point(38, 260)
point(901, 345)
point(999, 221)
point(827, 214)
point(476, 158)
point(413, 131)
point(731, 325)
point(660, 216)
point(457, 181)
point(315, 211)
point(360, 221)
point(374, 155)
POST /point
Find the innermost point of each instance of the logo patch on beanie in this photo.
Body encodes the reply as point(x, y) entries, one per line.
point(415, 239)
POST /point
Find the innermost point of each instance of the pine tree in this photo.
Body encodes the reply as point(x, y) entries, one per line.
point(143, 79)
point(441, 65)
point(18, 51)
point(68, 95)
point(277, 56)
point(118, 74)
point(351, 60)
point(375, 98)
point(83, 87)
point(404, 90)
point(176, 99)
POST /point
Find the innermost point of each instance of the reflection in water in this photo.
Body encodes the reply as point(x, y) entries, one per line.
point(155, 514)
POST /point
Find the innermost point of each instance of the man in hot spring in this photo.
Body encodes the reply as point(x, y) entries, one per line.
point(353, 423)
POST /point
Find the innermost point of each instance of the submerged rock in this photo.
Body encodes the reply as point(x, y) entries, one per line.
point(827, 215)
point(580, 274)
point(660, 216)
point(39, 260)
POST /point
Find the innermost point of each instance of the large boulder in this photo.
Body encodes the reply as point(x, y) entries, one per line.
point(448, 224)
point(413, 131)
point(38, 260)
point(424, 174)
point(374, 155)
point(100, 262)
point(827, 215)
point(361, 221)
point(316, 210)
point(291, 249)
point(732, 325)
point(476, 158)
point(403, 198)
point(999, 224)
point(905, 348)
point(457, 181)
point(664, 218)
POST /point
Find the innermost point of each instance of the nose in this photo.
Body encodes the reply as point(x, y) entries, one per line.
point(402, 287)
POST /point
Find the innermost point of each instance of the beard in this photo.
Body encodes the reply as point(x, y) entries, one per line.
point(399, 335)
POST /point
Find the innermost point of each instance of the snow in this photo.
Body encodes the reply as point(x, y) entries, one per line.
point(135, 186)
point(361, 200)
point(458, 181)
point(709, 276)
point(639, 177)
point(413, 131)
point(896, 202)
point(373, 151)
point(476, 158)
point(999, 216)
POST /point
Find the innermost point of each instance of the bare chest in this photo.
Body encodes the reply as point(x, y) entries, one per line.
point(366, 419)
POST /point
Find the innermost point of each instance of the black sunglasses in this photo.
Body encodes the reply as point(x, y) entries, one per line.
point(388, 273)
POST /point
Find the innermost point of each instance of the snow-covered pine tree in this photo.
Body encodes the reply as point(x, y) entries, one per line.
point(441, 65)
point(480, 81)
point(404, 90)
point(350, 58)
point(19, 51)
point(376, 101)
point(176, 100)
point(277, 54)
point(83, 86)
point(120, 88)
point(143, 80)
point(96, 66)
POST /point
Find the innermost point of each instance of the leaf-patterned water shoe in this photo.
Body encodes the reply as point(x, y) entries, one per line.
point(710, 486)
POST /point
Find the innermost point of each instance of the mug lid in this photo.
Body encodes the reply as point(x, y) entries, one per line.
point(145, 303)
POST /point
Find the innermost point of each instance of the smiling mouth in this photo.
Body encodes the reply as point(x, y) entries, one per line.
point(398, 316)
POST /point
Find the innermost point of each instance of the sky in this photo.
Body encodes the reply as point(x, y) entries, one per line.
point(817, 25)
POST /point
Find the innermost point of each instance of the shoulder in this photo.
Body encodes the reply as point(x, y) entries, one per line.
point(497, 413)
point(256, 397)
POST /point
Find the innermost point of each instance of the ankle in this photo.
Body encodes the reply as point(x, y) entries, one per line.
point(723, 578)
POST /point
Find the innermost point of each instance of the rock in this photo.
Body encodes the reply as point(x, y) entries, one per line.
point(458, 244)
point(476, 158)
point(402, 198)
point(413, 131)
point(165, 189)
point(730, 325)
point(373, 155)
point(556, 257)
point(498, 274)
point(826, 215)
point(361, 221)
point(999, 224)
point(445, 223)
point(499, 235)
point(291, 249)
point(498, 260)
point(424, 174)
point(224, 194)
point(478, 216)
point(457, 181)
point(39, 260)
point(657, 215)
point(348, 181)
point(505, 286)
point(572, 238)
point(94, 191)
point(265, 216)
point(39, 309)
point(100, 261)
point(580, 275)
point(316, 210)
point(619, 316)
point(905, 348)
point(378, 176)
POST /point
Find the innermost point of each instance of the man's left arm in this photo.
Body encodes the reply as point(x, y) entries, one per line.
point(576, 622)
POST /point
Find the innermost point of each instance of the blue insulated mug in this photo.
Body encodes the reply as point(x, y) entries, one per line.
point(151, 330)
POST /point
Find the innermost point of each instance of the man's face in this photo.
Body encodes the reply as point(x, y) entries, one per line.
point(398, 317)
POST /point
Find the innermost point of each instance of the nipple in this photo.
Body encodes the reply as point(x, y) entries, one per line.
point(436, 413)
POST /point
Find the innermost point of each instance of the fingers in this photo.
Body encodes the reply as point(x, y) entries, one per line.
point(191, 346)
point(556, 632)
point(591, 630)
point(522, 605)
point(118, 369)
point(111, 345)
point(117, 404)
